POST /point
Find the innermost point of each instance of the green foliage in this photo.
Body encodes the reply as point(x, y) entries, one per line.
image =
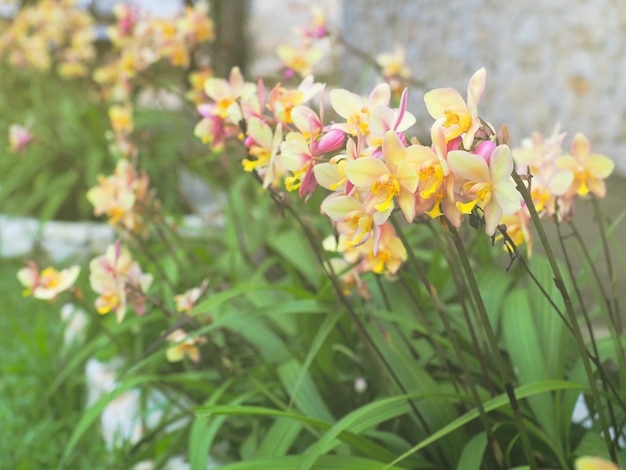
point(461, 359)
point(37, 421)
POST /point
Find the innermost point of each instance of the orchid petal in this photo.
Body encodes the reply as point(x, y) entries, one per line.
point(441, 98)
point(327, 175)
point(337, 207)
point(475, 90)
point(507, 196)
point(561, 182)
point(600, 166)
point(406, 201)
point(345, 103)
point(469, 166)
point(380, 95)
point(381, 120)
point(260, 132)
point(493, 215)
point(364, 171)
point(403, 123)
point(402, 107)
point(302, 116)
point(597, 187)
point(501, 163)
point(580, 146)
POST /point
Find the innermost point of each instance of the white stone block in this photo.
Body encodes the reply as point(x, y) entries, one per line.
point(17, 236)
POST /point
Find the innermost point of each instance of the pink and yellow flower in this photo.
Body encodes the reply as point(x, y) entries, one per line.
point(487, 185)
point(226, 93)
point(263, 148)
point(356, 109)
point(186, 301)
point(282, 100)
point(183, 345)
point(590, 169)
point(120, 196)
point(121, 118)
point(119, 281)
point(393, 64)
point(298, 60)
point(451, 112)
point(19, 137)
point(395, 178)
point(49, 283)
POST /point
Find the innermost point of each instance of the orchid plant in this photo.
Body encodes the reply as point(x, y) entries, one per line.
point(386, 332)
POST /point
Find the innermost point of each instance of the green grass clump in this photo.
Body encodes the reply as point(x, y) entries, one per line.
point(37, 422)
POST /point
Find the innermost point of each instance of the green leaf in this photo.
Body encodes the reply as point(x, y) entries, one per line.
point(329, 324)
point(217, 299)
point(326, 462)
point(522, 391)
point(308, 399)
point(357, 421)
point(522, 343)
point(359, 443)
point(472, 455)
point(203, 431)
point(279, 438)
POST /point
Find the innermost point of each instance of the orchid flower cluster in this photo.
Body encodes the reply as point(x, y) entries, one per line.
point(557, 179)
point(372, 169)
point(394, 69)
point(141, 41)
point(124, 197)
point(299, 61)
point(49, 33)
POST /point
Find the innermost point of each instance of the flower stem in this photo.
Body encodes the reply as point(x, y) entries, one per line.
point(493, 343)
point(560, 284)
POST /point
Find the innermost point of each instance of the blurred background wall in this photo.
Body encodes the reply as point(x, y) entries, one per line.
point(547, 61)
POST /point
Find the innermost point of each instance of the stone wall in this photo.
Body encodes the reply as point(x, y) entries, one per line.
point(547, 61)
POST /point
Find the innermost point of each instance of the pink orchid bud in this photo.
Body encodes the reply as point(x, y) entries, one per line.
point(455, 144)
point(320, 32)
point(289, 74)
point(249, 141)
point(503, 135)
point(485, 149)
point(205, 110)
point(331, 141)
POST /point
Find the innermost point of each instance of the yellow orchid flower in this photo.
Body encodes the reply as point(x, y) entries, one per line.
point(590, 169)
point(451, 112)
point(488, 185)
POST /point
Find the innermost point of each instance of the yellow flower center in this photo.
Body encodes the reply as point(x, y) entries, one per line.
point(50, 278)
point(481, 193)
point(341, 165)
point(541, 198)
point(222, 107)
point(361, 223)
point(298, 64)
point(290, 99)
point(582, 175)
point(360, 120)
point(293, 182)
point(457, 117)
point(262, 158)
point(107, 302)
point(431, 178)
point(385, 187)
